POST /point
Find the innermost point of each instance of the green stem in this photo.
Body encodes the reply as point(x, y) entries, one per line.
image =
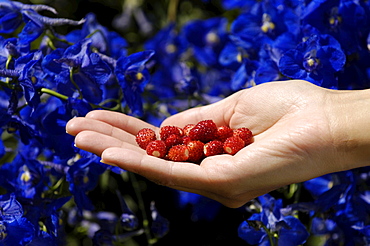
point(115, 108)
point(269, 234)
point(52, 37)
point(51, 44)
point(7, 66)
point(74, 83)
point(8, 61)
point(54, 93)
point(172, 10)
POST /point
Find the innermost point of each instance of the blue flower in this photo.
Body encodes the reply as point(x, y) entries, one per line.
point(24, 79)
point(83, 176)
point(18, 232)
point(206, 38)
point(14, 228)
point(133, 76)
point(266, 20)
point(271, 226)
point(168, 45)
point(316, 60)
point(25, 177)
point(11, 17)
point(107, 42)
point(346, 21)
point(11, 209)
point(319, 185)
point(77, 67)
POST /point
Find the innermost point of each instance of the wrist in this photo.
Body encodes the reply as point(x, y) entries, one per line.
point(349, 117)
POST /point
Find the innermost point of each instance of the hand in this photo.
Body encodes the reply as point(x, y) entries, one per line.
point(293, 142)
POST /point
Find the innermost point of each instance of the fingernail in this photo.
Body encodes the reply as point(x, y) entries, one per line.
point(104, 162)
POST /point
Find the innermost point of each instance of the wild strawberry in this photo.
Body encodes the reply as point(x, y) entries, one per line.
point(144, 137)
point(224, 132)
point(214, 147)
point(205, 130)
point(172, 140)
point(195, 151)
point(157, 148)
point(233, 144)
point(245, 134)
point(166, 131)
point(178, 153)
point(186, 139)
point(187, 129)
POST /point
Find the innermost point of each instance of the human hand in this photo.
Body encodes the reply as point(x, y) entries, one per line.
point(293, 142)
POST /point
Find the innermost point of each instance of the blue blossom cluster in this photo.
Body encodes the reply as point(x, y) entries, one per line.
point(47, 78)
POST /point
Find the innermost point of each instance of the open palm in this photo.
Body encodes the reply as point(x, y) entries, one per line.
point(292, 143)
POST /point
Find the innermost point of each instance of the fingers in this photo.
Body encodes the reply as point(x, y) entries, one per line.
point(168, 173)
point(96, 142)
point(210, 179)
point(127, 123)
point(78, 125)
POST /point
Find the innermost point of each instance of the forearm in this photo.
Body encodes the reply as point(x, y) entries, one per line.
point(349, 114)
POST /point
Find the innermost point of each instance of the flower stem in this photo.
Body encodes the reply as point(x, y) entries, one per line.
point(269, 234)
point(74, 83)
point(7, 67)
point(54, 93)
point(172, 10)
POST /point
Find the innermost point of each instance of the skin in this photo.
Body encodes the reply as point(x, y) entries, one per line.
point(301, 131)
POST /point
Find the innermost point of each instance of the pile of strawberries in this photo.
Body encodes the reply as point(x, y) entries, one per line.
point(193, 142)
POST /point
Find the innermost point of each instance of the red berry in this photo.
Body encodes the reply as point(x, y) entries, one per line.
point(172, 140)
point(157, 148)
point(195, 151)
point(187, 129)
point(186, 139)
point(166, 131)
point(205, 130)
point(233, 144)
point(144, 137)
point(224, 132)
point(178, 153)
point(245, 134)
point(214, 147)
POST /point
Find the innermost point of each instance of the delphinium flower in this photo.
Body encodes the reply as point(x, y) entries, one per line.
point(109, 43)
point(347, 22)
point(12, 222)
point(78, 69)
point(23, 77)
point(315, 60)
point(83, 176)
point(339, 210)
point(133, 75)
point(11, 17)
point(271, 227)
point(206, 38)
point(128, 220)
point(169, 47)
point(260, 37)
